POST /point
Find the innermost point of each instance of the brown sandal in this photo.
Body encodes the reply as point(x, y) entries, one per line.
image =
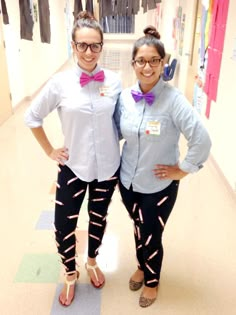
point(145, 302)
point(135, 285)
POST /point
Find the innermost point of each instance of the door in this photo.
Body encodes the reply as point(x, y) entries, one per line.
point(194, 54)
point(5, 96)
point(186, 28)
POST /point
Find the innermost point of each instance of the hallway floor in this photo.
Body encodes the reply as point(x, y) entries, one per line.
point(199, 267)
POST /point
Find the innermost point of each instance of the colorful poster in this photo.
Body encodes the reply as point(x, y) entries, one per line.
point(215, 50)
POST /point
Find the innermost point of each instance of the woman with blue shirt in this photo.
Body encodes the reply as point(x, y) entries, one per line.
point(152, 115)
point(85, 99)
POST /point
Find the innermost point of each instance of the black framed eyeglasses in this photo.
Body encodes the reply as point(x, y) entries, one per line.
point(94, 47)
point(141, 62)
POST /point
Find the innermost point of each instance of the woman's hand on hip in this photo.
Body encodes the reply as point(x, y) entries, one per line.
point(60, 155)
point(169, 172)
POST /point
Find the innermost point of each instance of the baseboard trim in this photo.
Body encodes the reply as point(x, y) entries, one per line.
point(226, 183)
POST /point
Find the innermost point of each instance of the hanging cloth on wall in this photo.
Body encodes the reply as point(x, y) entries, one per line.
point(130, 7)
point(118, 7)
point(4, 12)
point(77, 7)
point(44, 21)
point(136, 6)
point(26, 20)
point(152, 4)
point(124, 7)
point(149, 4)
point(144, 5)
point(106, 8)
point(89, 6)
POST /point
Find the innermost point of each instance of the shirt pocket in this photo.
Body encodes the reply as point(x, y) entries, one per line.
point(155, 128)
point(126, 124)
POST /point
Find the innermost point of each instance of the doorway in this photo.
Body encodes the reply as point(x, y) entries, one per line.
point(194, 53)
point(5, 95)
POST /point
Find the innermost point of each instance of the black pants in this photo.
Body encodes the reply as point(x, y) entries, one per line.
point(69, 197)
point(149, 213)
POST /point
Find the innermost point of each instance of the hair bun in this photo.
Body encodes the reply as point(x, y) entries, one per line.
point(85, 15)
point(152, 31)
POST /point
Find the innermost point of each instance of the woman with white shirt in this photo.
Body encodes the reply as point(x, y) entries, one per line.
point(152, 115)
point(85, 98)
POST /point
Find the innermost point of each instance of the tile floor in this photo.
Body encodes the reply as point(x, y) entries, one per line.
point(199, 268)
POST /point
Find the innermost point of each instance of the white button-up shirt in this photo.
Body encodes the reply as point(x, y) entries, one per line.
point(152, 135)
point(86, 115)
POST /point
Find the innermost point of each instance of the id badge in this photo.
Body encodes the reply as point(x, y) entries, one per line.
point(105, 91)
point(153, 128)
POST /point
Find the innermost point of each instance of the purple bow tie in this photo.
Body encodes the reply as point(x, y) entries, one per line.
point(85, 78)
point(138, 96)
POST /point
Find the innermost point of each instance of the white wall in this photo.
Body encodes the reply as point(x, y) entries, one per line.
point(31, 63)
point(14, 53)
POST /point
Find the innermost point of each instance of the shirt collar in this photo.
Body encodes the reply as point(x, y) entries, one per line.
point(156, 90)
point(79, 70)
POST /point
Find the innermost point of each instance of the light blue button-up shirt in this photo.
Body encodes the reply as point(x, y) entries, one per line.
point(86, 115)
point(170, 114)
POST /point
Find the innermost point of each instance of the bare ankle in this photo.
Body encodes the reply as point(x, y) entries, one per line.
point(91, 261)
point(71, 277)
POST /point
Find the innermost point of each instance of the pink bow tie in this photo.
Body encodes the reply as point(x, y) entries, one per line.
point(85, 78)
